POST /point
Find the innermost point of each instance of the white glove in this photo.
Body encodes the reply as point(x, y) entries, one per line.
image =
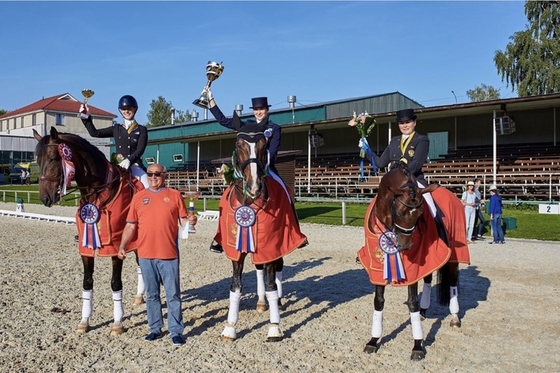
point(362, 143)
point(125, 164)
point(84, 111)
point(209, 94)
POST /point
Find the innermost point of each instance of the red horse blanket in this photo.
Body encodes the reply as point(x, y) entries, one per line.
point(428, 252)
point(274, 234)
point(111, 223)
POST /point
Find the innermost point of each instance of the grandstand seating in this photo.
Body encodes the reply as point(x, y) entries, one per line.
point(525, 172)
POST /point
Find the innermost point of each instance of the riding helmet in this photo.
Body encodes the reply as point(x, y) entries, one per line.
point(127, 101)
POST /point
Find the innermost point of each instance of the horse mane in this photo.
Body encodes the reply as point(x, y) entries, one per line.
point(72, 139)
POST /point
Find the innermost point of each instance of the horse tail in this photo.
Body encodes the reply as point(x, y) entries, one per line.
point(445, 279)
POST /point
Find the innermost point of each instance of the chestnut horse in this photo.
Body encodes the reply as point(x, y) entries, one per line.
point(105, 198)
point(404, 244)
point(256, 218)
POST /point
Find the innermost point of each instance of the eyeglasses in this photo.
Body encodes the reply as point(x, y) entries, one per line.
point(156, 174)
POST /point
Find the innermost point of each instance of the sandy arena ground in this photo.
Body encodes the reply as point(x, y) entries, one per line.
point(509, 298)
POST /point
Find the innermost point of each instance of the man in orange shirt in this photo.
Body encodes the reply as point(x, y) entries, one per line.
point(156, 212)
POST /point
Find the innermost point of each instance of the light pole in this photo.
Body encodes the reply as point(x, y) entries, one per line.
point(172, 115)
point(454, 95)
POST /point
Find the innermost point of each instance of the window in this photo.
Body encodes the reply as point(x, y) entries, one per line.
point(150, 160)
point(34, 120)
point(177, 157)
point(21, 122)
point(59, 119)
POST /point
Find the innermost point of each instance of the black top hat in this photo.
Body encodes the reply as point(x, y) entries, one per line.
point(259, 102)
point(405, 115)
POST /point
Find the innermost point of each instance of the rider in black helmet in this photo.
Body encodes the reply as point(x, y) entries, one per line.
point(130, 137)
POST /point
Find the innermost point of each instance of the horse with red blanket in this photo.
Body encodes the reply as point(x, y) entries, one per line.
point(106, 193)
point(404, 243)
point(256, 219)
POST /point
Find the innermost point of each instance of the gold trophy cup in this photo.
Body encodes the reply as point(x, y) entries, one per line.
point(192, 196)
point(213, 72)
point(87, 93)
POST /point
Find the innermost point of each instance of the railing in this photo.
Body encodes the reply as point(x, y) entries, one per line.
point(518, 186)
point(33, 197)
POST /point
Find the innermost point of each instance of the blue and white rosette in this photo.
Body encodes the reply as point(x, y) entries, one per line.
point(367, 150)
point(388, 244)
point(245, 217)
point(89, 213)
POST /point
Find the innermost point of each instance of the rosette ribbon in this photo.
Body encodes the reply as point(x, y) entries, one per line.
point(89, 213)
point(68, 168)
point(392, 260)
point(363, 151)
point(245, 217)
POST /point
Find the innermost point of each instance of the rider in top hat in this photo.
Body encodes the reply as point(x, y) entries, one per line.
point(130, 137)
point(410, 147)
point(260, 111)
point(272, 132)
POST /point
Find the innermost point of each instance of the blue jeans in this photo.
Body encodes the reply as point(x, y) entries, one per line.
point(166, 271)
point(497, 230)
point(480, 219)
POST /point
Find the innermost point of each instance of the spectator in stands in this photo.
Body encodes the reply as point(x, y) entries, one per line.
point(131, 138)
point(272, 131)
point(469, 201)
point(479, 218)
point(495, 212)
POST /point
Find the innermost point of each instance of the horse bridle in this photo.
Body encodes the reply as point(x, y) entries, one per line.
point(412, 208)
point(60, 180)
point(240, 168)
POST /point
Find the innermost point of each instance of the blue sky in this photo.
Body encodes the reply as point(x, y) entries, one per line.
point(317, 51)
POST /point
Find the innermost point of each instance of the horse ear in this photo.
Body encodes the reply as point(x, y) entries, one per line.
point(36, 135)
point(54, 133)
point(237, 123)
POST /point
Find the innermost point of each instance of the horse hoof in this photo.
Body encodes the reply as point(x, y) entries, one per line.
point(274, 339)
point(274, 333)
point(423, 314)
point(117, 328)
point(280, 305)
point(455, 323)
point(261, 307)
point(82, 328)
point(228, 334)
point(371, 346)
point(370, 349)
point(138, 300)
point(417, 355)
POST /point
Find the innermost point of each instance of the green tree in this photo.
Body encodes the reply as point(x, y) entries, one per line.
point(161, 112)
point(531, 61)
point(2, 112)
point(483, 92)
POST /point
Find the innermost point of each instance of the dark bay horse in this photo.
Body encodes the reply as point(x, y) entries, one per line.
point(404, 244)
point(105, 198)
point(256, 218)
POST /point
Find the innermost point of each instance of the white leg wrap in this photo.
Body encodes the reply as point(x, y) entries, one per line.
point(454, 301)
point(426, 294)
point(417, 332)
point(118, 310)
point(377, 324)
point(233, 313)
point(87, 303)
point(272, 297)
point(279, 283)
point(141, 289)
point(260, 284)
